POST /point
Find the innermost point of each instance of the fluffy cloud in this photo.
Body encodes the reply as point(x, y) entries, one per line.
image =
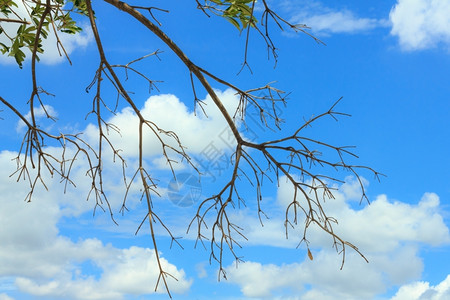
point(387, 232)
point(421, 24)
point(257, 280)
point(195, 131)
point(46, 263)
point(51, 55)
point(39, 113)
point(418, 24)
point(423, 291)
point(124, 271)
point(393, 223)
point(356, 281)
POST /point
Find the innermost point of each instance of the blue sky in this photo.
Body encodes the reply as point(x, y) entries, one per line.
point(390, 62)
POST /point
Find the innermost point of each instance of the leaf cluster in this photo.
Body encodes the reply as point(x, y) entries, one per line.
point(237, 12)
point(38, 22)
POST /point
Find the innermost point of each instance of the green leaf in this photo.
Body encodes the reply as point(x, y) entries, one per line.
point(17, 53)
point(234, 22)
point(245, 10)
point(3, 48)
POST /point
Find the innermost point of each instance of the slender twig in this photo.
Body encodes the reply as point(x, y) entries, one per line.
point(14, 21)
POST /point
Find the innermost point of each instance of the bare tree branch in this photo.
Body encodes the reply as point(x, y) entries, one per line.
point(302, 161)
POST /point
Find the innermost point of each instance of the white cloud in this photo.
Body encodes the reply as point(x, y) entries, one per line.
point(257, 280)
point(423, 291)
point(51, 55)
point(355, 281)
point(323, 20)
point(388, 233)
point(339, 22)
point(39, 113)
point(421, 24)
point(130, 271)
point(201, 270)
point(395, 223)
point(121, 271)
point(49, 264)
point(5, 297)
point(195, 132)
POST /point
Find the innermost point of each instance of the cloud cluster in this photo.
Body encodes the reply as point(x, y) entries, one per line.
point(40, 113)
point(194, 130)
point(387, 232)
point(46, 263)
point(124, 272)
point(421, 24)
point(423, 291)
point(418, 24)
point(117, 272)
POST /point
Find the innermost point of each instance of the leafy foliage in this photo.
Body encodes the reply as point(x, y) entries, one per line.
point(235, 12)
point(42, 20)
point(38, 21)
